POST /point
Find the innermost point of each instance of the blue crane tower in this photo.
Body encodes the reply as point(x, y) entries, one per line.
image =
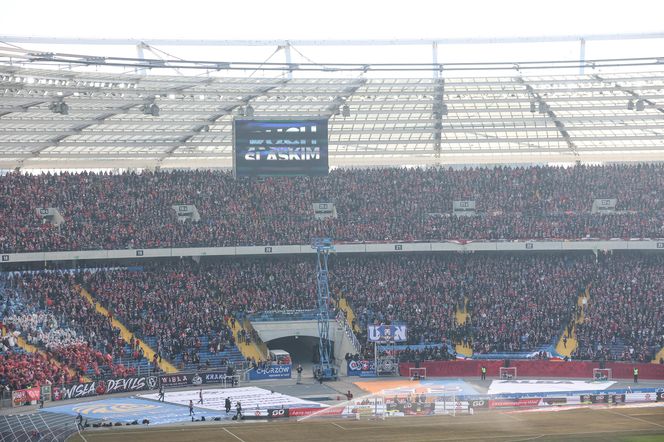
point(324, 370)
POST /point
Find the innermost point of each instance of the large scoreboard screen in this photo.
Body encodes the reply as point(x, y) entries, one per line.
point(280, 147)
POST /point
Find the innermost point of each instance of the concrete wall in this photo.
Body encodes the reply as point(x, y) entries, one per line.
point(270, 330)
point(453, 246)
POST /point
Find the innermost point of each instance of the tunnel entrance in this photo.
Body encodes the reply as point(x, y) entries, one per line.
point(303, 349)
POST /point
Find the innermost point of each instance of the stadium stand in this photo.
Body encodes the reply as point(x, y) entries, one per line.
point(130, 210)
point(180, 311)
point(514, 303)
point(52, 315)
point(623, 319)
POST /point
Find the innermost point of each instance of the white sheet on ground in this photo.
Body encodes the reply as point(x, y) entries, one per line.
point(545, 386)
point(252, 398)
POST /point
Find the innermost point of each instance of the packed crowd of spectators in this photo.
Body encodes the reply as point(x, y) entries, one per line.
point(179, 303)
point(41, 329)
point(51, 308)
point(514, 303)
point(624, 317)
point(130, 210)
point(20, 370)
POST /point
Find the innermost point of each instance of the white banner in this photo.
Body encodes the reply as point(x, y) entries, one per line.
point(252, 399)
point(545, 386)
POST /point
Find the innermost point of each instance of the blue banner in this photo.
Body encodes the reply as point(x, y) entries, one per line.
point(388, 333)
point(362, 368)
point(273, 372)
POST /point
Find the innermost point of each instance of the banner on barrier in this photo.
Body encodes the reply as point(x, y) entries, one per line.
point(308, 411)
point(183, 379)
point(175, 380)
point(411, 408)
point(660, 396)
point(109, 386)
point(640, 397)
point(272, 372)
point(20, 397)
point(520, 402)
point(276, 413)
point(363, 368)
point(602, 398)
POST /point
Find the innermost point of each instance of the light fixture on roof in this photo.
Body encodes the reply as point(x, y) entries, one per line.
point(345, 111)
point(533, 107)
point(543, 107)
point(630, 105)
point(640, 105)
point(248, 110)
point(59, 107)
point(150, 109)
point(439, 109)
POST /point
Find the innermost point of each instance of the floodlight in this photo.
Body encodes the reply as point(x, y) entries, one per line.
point(59, 107)
point(630, 105)
point(640, 105)
point(532, 107)
point(150, 109)
point(345, 111)
point(248, 111)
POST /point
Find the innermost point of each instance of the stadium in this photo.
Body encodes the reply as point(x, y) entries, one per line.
point(358, 238)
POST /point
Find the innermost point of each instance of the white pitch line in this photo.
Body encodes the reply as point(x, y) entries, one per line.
point(337, 425)
point(529, 438)
point(236, 437)
point(634, 418)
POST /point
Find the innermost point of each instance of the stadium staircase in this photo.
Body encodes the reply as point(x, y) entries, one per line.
point(29, 348)
point(255, 350)
point(572, 342)
point(658, 356)
point(461, 316)
point(617, 349)
point(350, 314)
point(149, 353)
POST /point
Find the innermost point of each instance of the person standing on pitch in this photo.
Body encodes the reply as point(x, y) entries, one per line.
point(161, 393)
point(191, 408)
point(238, 408)
point(200, 397)
point(299, 373)
point(483, 373)
point(228, 405)
point(636, 375)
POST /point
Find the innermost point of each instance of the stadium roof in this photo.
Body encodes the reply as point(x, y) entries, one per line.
point(108, 119)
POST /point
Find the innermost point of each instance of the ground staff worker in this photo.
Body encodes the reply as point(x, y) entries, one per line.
point(636, 375)
point(483, 373)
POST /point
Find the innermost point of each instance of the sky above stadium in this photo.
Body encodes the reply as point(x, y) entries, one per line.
point(303, 19)
point(342, 19)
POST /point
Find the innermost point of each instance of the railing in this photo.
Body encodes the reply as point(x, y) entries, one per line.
point(284, 315)
point(341, 320)
point(260, 345)
point(5, 398)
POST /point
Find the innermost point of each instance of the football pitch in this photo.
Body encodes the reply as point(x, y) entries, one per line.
point(587, 424)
